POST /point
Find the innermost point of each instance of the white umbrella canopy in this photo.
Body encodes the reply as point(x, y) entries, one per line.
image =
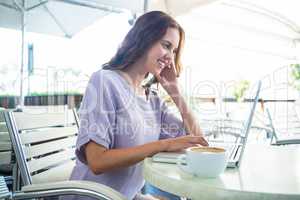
point(60, 18)
point(172, 7)
point(67, 17)
point(55, 17)
point(176, 7)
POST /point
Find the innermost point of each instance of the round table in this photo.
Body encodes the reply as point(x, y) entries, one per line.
point(267, 172)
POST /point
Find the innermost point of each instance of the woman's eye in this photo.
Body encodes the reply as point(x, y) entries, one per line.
point(166, 46)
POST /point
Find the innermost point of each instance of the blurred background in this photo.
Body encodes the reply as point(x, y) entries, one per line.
point(52, 47)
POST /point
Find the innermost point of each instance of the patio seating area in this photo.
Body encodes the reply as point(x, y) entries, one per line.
point(6, 155)
point(4, 192)
point(43, 140)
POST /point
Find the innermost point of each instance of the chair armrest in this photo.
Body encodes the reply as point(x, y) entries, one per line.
point(84, 188)
point(4, 193)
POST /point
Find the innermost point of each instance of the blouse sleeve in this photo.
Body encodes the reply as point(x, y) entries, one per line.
point(171, 124)
point(97, 116)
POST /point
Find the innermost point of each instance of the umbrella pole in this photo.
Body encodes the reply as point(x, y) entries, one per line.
point(22, 9)
point(146, 3)
point(22, 56)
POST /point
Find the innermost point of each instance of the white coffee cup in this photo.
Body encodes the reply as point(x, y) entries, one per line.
point(203, 161)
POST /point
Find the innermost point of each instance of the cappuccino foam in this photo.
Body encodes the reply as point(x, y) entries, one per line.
point(208, 149)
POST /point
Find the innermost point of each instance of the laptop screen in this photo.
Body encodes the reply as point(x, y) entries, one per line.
point(249, 122)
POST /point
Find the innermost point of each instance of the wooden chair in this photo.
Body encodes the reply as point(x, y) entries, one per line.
point(284, 133)
point(5, 148)
point(223, 130)
point(4, 193)
point(44, 140)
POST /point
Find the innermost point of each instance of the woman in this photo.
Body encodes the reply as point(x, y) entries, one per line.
point(119, 124)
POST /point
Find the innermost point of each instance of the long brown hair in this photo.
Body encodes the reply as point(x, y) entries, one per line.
point(147, 30)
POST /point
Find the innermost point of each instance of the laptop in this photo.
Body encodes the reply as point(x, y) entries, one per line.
point(281, 140)
point(235, 150)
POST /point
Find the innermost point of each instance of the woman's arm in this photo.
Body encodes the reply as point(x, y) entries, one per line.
point(168, 80)
point(101, 160)
point(187, 115)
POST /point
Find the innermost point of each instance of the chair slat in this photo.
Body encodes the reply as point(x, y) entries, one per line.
point(4, 136)
point(40, 149)
point(4, 193)
point(5, 157)
point(1, 116)
point(47, 134)
point(5, 146)
point(51, 160)
point(47, 138)
point(45, 109)
point(31, 121)
point(3, 127)
point(59, 173)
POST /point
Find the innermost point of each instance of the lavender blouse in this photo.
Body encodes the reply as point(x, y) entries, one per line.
point(114, 116)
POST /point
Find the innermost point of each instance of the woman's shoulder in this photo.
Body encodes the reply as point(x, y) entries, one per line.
point(105, 74)
point(106, 77)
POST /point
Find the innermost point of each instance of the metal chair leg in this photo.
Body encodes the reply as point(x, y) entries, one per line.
point(16, 178)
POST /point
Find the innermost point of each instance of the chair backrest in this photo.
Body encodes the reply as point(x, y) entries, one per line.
point(44, 141)
point(225, 130)
point(284, 118)
point(5, 147)
point(271, 125)
point(4, 193)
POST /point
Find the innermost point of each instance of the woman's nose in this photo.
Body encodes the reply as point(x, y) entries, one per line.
point(169, 56)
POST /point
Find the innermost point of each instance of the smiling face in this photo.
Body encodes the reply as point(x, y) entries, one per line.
point(163, 52)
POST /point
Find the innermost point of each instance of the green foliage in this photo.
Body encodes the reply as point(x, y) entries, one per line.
point(295, 73)
point(240, 89)
point(54, 93)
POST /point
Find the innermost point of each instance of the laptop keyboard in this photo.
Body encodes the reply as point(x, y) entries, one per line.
point(231, 148)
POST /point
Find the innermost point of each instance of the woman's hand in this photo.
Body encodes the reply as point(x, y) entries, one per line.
point(183, 142)
point(168, 79)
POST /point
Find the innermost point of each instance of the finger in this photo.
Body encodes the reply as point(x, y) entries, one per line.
point(194, 139)
point(170, 65)
point(198, 140)
point(204, 142)
point(173, 66)
point(188, 145)
point(161, 80)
